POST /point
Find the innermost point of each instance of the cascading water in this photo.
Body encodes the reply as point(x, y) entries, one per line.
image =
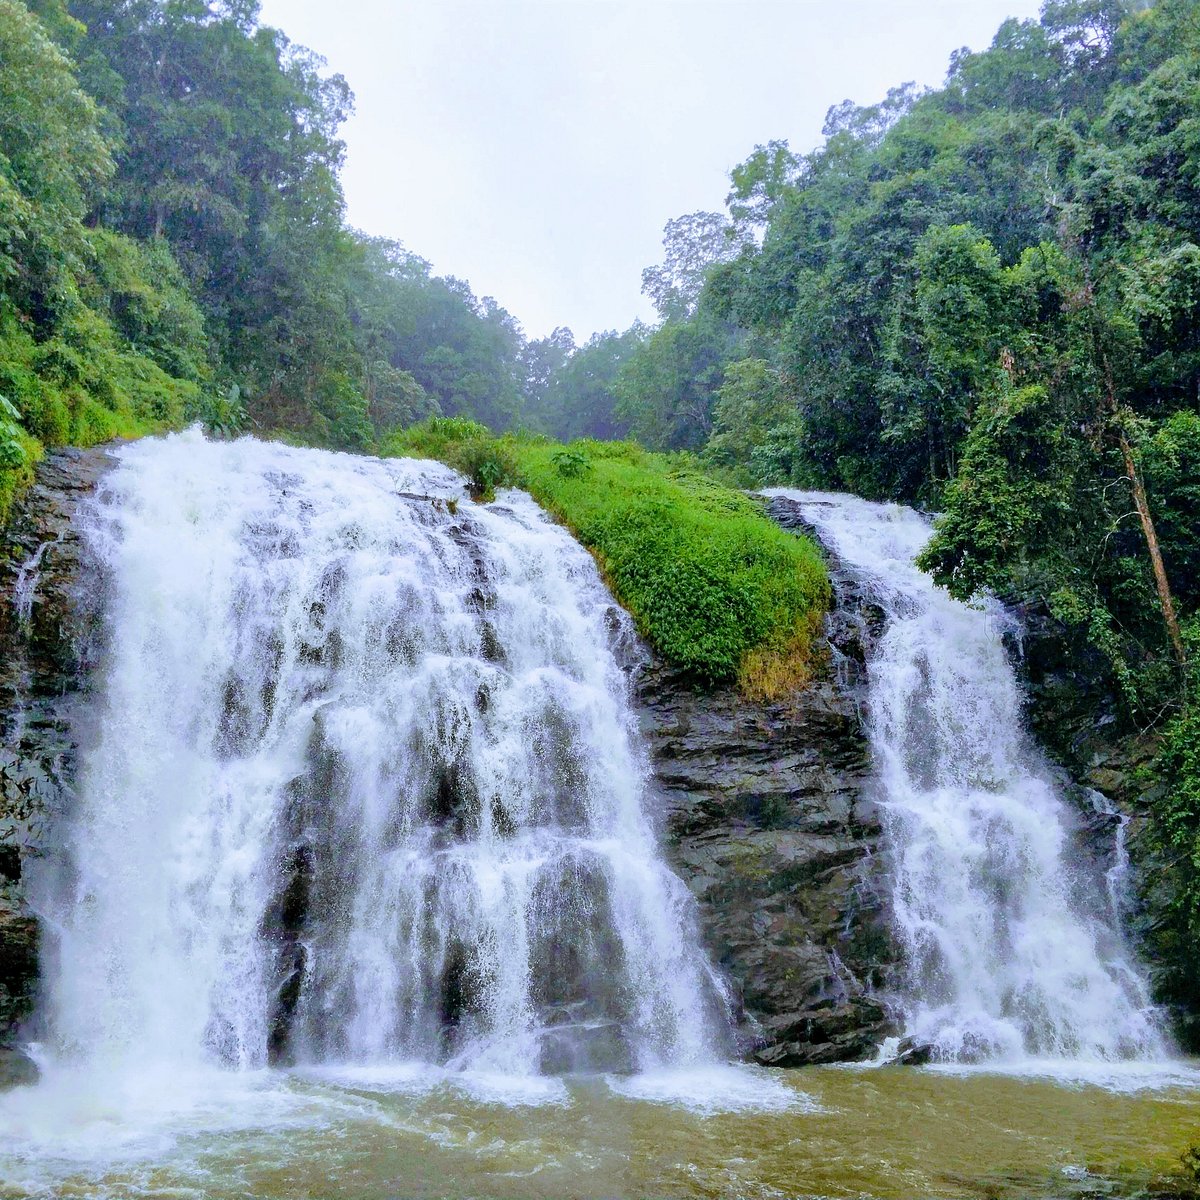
point(1013, 951)
point(363, 787)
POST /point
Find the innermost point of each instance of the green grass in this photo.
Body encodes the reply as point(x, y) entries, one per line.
point(713, 584)
point(14, 480)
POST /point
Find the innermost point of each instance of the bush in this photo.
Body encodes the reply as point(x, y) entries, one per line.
point(714, 585)
point(1175, 834)
point(486, 460)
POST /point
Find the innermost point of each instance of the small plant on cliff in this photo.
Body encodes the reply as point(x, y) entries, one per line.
point(486, 460)
point(224, 412)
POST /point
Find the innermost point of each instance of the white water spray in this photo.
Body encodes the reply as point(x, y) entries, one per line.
point(1013, 952)
point(364, 787)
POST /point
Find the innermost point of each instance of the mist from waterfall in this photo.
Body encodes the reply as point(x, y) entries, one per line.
point(1013, 944)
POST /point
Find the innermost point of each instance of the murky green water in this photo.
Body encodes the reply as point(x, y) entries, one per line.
point(887, 1133)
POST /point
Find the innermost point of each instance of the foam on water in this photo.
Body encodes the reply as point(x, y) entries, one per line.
point(727, 1088)
point(1013, 944)
point(1127, 1076)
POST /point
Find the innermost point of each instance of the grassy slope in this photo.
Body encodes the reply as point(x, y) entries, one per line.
point(712, 583)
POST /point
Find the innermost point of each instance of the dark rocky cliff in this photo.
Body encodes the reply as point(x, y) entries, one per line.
point(769, 821)
point(44, 634)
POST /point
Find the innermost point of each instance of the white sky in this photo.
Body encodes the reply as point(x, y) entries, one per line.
point(537, 147)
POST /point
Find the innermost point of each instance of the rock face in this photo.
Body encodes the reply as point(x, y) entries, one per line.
point(768, 821)
point(45, 633)
point(769, 818)
point(1072, 710)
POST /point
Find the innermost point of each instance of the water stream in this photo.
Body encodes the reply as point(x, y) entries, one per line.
point(1013, 945)
point(364, 788)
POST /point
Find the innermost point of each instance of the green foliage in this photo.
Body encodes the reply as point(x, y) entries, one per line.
point(223, 413)
point(53, 157)
point(487, 461)
point(755, 427)
point(1176, 833)
point(708, 578)
point(12, 449)
point(140, 289)
point(172, 245)
point(1014, 490)
point(713, 584)
point(667, 387)
point(571, 463)
point(1171, 461)
point(450, 352)
point(570, 391)
point(14, 480)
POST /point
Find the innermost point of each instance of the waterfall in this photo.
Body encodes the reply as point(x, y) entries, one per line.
point(1013, 947)
point(363, 785)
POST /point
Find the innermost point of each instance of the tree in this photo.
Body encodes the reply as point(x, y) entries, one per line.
point(692, 245)
point(582, 395)
point(53, 160)
point(666, 389)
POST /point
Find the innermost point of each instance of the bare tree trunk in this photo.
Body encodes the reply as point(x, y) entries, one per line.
point(1165, 599)
point(1160, 572)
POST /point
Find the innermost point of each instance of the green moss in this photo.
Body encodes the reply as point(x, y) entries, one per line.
point(712, 583)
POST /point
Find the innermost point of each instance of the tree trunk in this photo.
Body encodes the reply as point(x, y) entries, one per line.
point(1160, 572)
point(1165, 599)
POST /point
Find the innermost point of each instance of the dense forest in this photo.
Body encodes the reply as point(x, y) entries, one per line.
point(983, 299)
point(172, 244)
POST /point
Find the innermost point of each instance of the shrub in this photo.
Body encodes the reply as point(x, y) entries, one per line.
point(1175, 833)
point(714, 585)
point(487, 461)
point(571, 463)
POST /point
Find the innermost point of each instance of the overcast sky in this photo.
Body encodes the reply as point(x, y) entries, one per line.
point(537, 147)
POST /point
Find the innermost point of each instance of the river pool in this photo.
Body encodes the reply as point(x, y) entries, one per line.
point(894, 1133)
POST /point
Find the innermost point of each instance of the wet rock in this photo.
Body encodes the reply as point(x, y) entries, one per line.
point(1073, 712)
point(18, 964)
point(770, 820)
point(585, 1047)
point(912, 1053)
point(48, 630)
point(16, 1069)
